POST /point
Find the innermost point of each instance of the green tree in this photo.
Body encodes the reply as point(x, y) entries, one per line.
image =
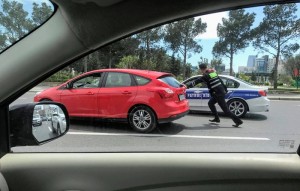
point(148, 41)
point(180, 36)
point(244, 77)
point(234, 34)
point(129, 62)
point(253, 77)
point(291, 64)
point(175, 66)
point(216, 63)
point(14, 19)
point(276, 32)
point(40, 13)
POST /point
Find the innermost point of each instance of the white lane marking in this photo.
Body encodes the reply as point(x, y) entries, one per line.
point(50, 129)
point(169, 136)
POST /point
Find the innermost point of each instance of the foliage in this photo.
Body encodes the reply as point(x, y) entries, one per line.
point(61, 76)
point(16, 22)
point(286, 79)
point(275, 33)
point(253, 77)
point(291, 64)
point(40, 13)
point(180, 36)
point(216, 63)
point(234, 34)
point(244, 77)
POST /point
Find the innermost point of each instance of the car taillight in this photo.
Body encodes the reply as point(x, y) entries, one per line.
point(166, 93)
point(262, 92)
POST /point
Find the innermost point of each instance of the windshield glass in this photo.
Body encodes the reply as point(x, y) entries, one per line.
point(119, 104)
point(18, 18)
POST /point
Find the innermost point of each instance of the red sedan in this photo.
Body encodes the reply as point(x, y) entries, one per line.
point(143, 98)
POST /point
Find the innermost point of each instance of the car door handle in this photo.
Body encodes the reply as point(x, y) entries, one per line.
point(90, 93)
point(126, 92)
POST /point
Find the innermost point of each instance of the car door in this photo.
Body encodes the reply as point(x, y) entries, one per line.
point(195, 94)
point(81, 96)
point(116, 95)
point(231, 85)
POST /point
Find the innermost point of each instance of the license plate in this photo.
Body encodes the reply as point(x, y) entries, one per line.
point(181, 97)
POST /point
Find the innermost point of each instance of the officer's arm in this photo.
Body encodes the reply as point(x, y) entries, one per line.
point(194, 82)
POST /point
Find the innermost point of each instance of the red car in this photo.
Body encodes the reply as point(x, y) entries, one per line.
point(143, 98)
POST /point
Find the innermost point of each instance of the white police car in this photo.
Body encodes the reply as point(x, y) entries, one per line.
point(242, 97)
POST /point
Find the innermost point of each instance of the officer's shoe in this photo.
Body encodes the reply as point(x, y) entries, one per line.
point(215, 120)
point(238, 124)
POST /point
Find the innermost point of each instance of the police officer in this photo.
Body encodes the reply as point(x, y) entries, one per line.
point(217, 91)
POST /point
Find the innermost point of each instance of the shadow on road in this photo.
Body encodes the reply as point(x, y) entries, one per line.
point(248, 117)
point(96, 125)
point(255, 117)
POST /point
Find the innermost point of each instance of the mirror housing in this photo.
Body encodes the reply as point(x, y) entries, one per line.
point(25, 119)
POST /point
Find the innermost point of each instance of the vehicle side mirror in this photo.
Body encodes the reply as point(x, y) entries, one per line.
point(34, 123)
point(69, 85)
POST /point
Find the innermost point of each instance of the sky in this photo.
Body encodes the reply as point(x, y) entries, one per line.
point(208, 39)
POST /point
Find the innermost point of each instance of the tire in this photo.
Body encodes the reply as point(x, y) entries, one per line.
point(142, 119)
point(238, 107)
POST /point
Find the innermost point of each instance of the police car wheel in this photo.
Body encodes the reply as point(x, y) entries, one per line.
point(238, 107)
point(142, 119)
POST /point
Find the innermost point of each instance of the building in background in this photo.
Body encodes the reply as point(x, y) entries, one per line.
point(251, 61)
point(261, 64)
point(245, 69)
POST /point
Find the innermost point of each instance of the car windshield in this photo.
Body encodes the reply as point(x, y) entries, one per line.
point(127, 97)
point(19, 18)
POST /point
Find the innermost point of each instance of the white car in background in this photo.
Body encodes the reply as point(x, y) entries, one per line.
point(242, 97)
point(58, 120)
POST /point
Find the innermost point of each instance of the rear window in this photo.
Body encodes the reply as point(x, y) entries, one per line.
point(170, 80)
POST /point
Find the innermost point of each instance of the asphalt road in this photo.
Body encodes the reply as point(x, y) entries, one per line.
point(274, 131)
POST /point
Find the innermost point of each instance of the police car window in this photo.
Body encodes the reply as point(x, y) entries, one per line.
point(230, 83)
point(140, 80)
point(115, 79)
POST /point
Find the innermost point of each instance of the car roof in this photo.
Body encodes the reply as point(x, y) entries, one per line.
point(146, 73)
point(79, 27)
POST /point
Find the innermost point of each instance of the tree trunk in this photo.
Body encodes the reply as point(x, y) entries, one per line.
point(184, 62)
point(85, 63)
point(109, 58)
point(231, 61)
point(276, 71)
point(148, 48)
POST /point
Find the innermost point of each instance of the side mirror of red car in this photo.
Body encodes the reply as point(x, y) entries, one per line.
point(69, 85)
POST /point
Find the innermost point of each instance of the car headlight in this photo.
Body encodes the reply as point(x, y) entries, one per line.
point(37, 93)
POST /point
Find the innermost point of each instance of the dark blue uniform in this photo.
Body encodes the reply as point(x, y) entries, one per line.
point(217, 90)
